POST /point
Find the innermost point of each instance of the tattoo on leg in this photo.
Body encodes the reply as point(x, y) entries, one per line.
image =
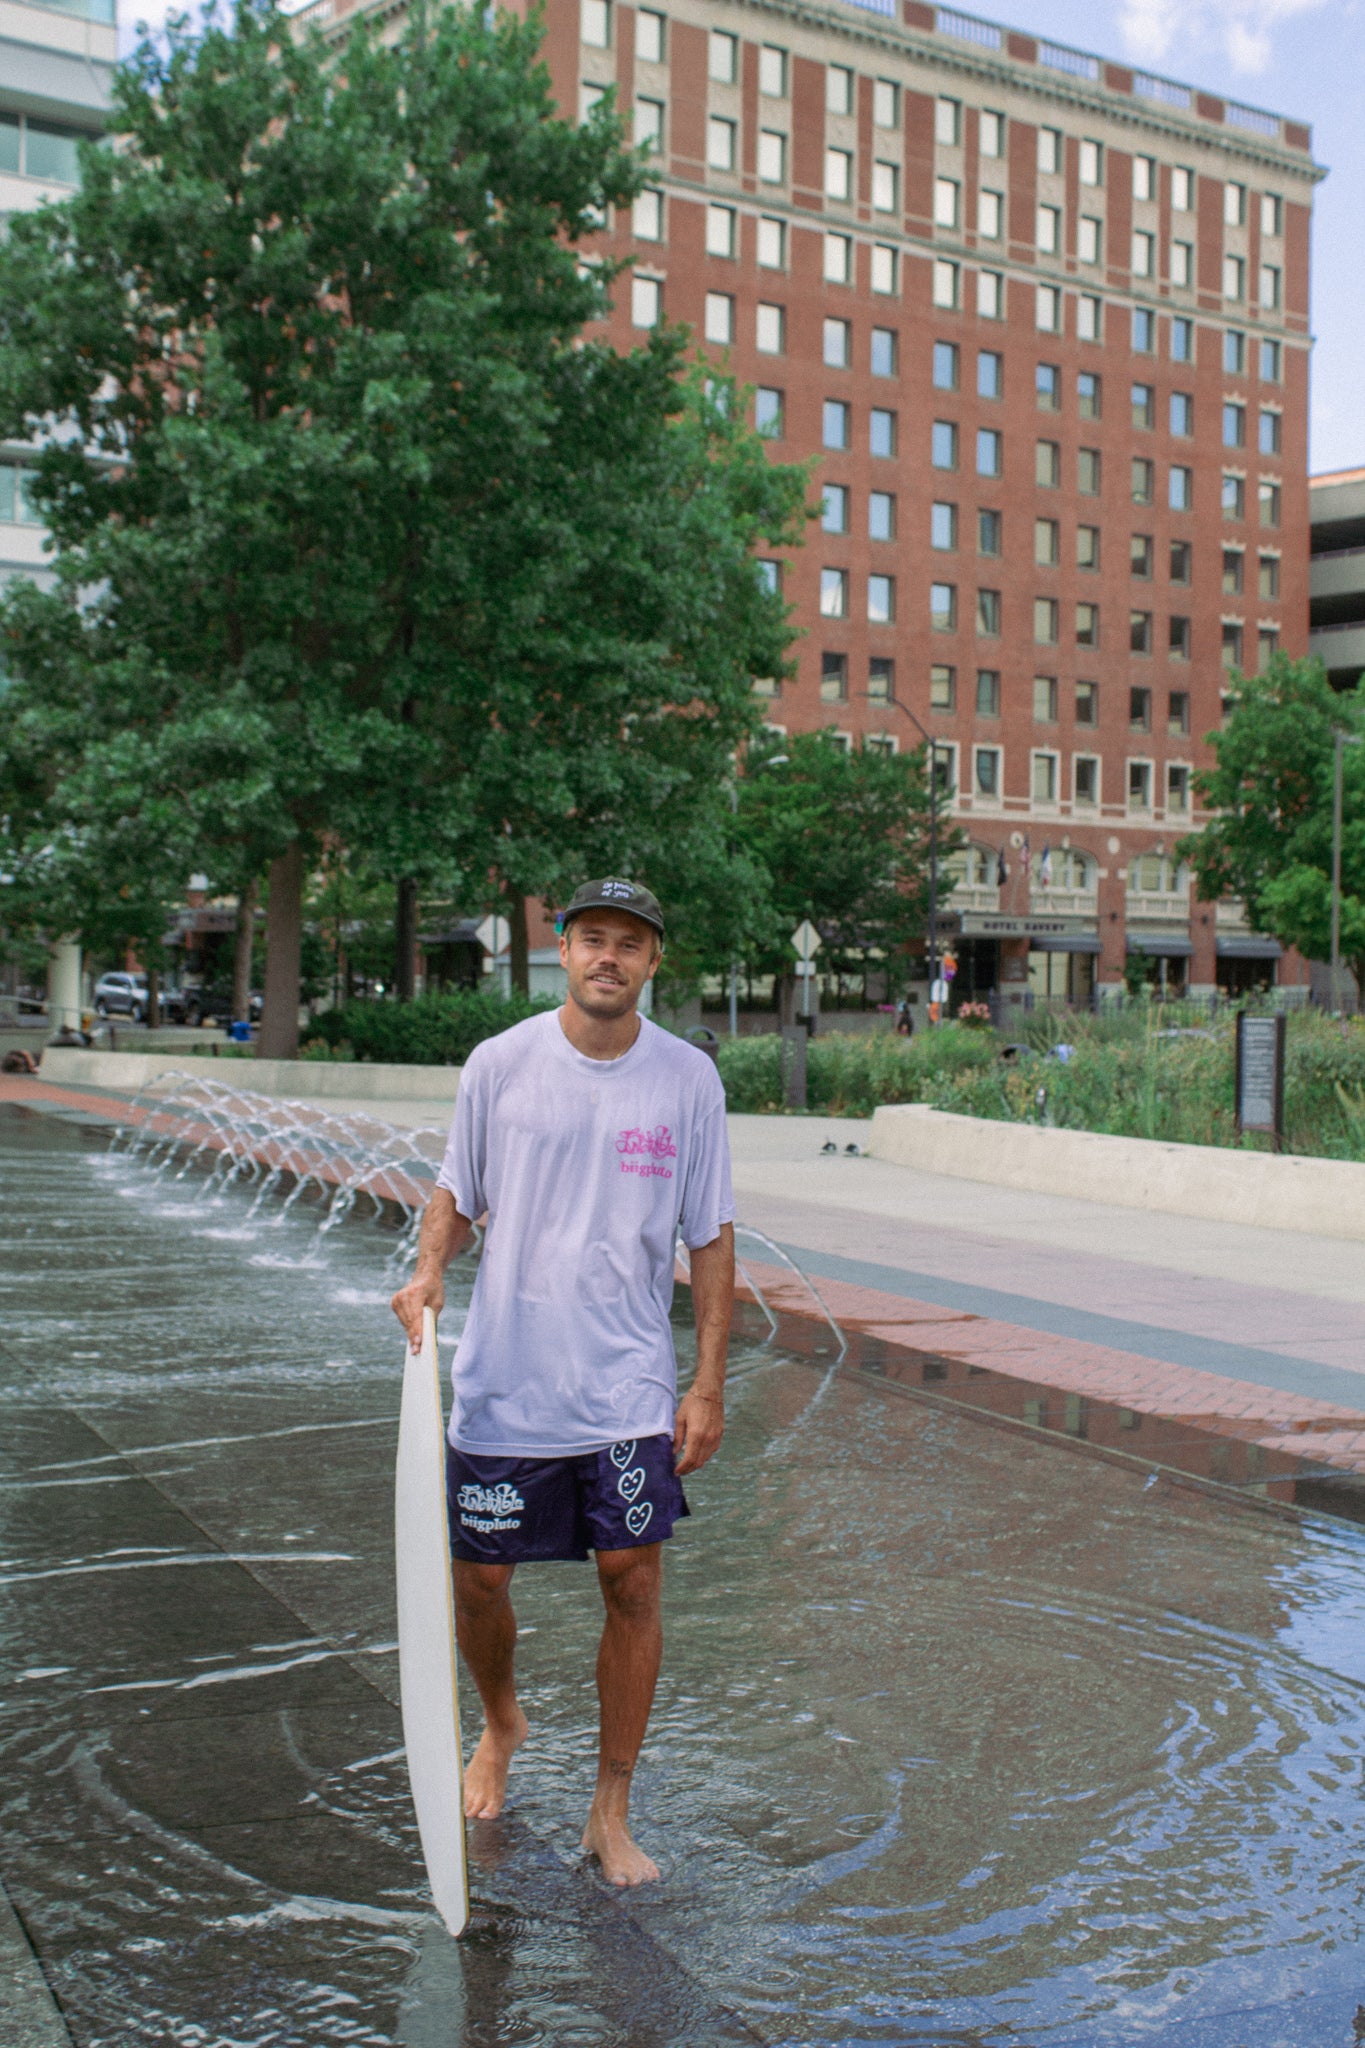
point(617, 1769)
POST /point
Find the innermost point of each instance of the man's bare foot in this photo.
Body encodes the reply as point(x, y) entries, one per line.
point(622, 1861)
point(485, 1778)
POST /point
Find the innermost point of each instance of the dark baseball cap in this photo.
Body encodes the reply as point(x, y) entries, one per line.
point(614, 893)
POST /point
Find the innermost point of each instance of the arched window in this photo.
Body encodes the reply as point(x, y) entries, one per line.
point(1072, 869)
point(1157, 874)
point(973, 866)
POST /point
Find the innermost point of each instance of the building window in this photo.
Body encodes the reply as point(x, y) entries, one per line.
point(1088, 472)
point(1234, 277)
point(948, 123)
point(1181, 558)
point(988, 693)
point(1047, 385)
point(1234, 353)
point(883, 352)
point(595, 24)
point(943, 527)
point(770, 576)
point(1182, 276)
point(988, 614)
point(649, 123)
point(881, 600)
point(772, 157)
point(1182, 413)
point(772, 244)
point(1267, 643)
point(719, 318)
point(1270, 214)
point(1045, 621)
point(834, 508)
point(837, 338)
point(886, 100)
point(1144, 331)
point(838, 174)
point(881, 432)
point(1268, 504)
point(886, 179)
point(1177, 789)
point(1268, 433)
point(1140, 555)
point(986, 771)
point(1234, 426)
point(646, 301)
point(1234, 205)
point(1144, 405)
point(1047, 465)
point(1049, 230)
point(1046, 542)
point(1139, 785)
point(1179, 640)
point(990, 295)
point(1088, 395)
point(1270, 362)
point(1182, 190)
point(833, 678)
point(1085, 781)
point(881, 679)
point(1089, 239)
point(1144, 177)
point(885, 267)
point(1232, 644)
point(1087, 547)
point(647, 216)
point(649, 37)
point(772, 72)
point(1140, 632)
point(1048, 309)
point(942, 688)
point(943, 607)
point(944, 287)
point(720, 143)
point(1144, 480)
point(989, 451)
point(1050, 151)
point(945, 366)
point(990, 374)
point(989, 530)
point(881, 515)
point(768, 412)
point(1178, 714)
point(1092, 163)
point(16, 502)
point(990, 214)
point(1268, 576)
point(720, 230)
point(1143, 253)
point(1045, 778)
point(835, 423)
point(770, 329)
point(1180, 489)
point(1087, 703)
point(834, 593)
point(943, 444)
point(1087, 625)
point(1089, 318)
point(1045, 700)
point(1233, 560)
point(838, 259)
point(947, 193)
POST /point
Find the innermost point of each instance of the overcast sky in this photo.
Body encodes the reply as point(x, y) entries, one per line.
point(1305, 58)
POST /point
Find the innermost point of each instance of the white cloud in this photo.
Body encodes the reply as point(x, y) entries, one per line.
point(1243, 30)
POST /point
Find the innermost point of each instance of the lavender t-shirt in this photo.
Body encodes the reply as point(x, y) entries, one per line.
point(588, 1171)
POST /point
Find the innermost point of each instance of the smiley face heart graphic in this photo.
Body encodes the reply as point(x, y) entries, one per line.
point(629, 1484)
point(621, 1454)
point(637, 1518)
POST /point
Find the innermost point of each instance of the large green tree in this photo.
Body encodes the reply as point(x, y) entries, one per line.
point(357, 539)
point(1269, 839)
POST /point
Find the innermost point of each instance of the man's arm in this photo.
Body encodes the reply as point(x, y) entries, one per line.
point(701, 1412)
point(444, 1233)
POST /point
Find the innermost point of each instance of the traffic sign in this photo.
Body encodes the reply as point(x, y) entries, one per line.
point(494, 935)
point(806, 940)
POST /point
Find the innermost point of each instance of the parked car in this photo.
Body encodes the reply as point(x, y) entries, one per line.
point(122, 995)
point(213, 1004)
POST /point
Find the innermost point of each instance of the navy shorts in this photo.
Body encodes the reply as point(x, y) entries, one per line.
point(523, 1510)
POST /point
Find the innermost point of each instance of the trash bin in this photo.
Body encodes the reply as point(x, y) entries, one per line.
point(705, 1040)
point(240, 1032)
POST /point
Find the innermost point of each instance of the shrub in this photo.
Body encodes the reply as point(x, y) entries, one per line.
point(430, 1031)
point(849, 1074)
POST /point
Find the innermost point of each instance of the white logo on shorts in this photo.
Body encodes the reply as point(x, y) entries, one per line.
point(490, 1507)
point(621, 1454)
point(637, 1518)
point(629, 1484)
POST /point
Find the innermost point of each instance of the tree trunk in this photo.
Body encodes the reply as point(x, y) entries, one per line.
point(241, 958)
point(279, 1039)
point(519, 949)
point(153, 999)
point(405, 940)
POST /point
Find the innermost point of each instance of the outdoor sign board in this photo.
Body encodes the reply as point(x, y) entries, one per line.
point(985, 924)
point(1260, 1075)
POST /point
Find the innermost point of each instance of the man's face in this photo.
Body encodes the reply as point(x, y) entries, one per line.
point(608, 956)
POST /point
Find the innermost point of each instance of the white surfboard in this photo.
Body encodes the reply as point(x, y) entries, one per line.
point(426, 1633)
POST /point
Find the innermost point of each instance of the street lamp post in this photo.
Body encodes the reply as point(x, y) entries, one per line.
point(1341, 740)
point(772, 761)
point(932, 745)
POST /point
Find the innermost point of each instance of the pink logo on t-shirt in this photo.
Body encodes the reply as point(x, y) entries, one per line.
point(645, 1149)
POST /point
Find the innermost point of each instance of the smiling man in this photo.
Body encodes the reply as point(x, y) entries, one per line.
point(590, 1139)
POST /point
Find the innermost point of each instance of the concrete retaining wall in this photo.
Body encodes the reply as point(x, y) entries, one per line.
point(1323, 1197)
point(355, 1080)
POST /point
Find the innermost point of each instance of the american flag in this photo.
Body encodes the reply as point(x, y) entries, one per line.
point(1045, 867)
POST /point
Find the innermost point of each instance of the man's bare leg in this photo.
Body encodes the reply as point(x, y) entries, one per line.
point(627, 1670)
point(487, 1631)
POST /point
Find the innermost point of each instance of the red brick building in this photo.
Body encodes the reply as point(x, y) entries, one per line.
point(1043, 321)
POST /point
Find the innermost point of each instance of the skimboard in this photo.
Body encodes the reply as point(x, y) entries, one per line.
point(426, 1632)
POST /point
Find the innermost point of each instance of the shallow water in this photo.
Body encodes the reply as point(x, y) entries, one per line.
point(962, 1737)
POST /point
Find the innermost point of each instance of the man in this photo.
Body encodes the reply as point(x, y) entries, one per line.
point(590, 1138)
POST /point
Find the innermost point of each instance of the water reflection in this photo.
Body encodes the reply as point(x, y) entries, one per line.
point(962, 1737)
